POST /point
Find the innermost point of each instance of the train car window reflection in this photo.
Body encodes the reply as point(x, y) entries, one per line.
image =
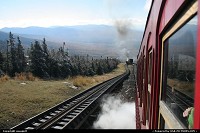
point(180, 69)
point(149, 85)
point(150, 68)
point(144, 73)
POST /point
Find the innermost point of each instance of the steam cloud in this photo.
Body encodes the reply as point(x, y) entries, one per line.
point(123, 28)
point(125, 38)
point(115, 114)
point(127, 33)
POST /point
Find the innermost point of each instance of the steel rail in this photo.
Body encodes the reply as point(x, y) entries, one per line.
point(72, 108)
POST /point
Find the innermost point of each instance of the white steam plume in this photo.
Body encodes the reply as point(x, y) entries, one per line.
point(125, 38)
point(116, 114)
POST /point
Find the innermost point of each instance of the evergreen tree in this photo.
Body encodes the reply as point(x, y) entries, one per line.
point(46, 56)
point(99, 70)
point(38, 66)
point(91, 72)
point(2, 61)
point(93, 67)
point(13, 58)
point(108, 65)
point(21, 61)
point(55, 70)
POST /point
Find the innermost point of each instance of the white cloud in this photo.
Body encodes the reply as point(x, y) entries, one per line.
point(47, 22)
point(111, 10)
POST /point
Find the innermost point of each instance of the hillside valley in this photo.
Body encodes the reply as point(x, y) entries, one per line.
point(95, 40)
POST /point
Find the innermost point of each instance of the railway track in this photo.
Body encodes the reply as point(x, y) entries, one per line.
point(182, 100)
point(72, 113)
point(178, 102)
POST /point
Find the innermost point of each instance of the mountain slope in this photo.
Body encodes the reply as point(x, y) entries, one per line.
point(26, 42)
point(87, 39)
point(82, 34)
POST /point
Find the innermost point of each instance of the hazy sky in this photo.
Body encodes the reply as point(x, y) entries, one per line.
point(45, 13)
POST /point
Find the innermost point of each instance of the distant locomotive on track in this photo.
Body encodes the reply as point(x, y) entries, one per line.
point(168, 67)
point(129, 62)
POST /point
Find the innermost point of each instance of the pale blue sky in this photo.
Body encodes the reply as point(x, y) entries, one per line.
point(45, 13)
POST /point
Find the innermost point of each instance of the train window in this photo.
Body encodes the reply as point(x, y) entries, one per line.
point(144, 72)
point(149, 84)
point(179, 69)
point(150, 68)
point(143, 82)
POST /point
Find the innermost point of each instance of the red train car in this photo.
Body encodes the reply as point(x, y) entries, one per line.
point(168, 67)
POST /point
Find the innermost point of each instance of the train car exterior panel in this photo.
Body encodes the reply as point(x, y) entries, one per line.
point(150, 38)
point(164, 38)
point(164, 16)
point(167, 12)
point(170, 8)
point(197, 84)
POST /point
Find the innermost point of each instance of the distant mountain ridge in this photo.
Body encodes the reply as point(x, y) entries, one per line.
point(104, 39)
point(26, 42)
point(82, 33)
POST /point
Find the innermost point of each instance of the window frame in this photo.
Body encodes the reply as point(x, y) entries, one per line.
point(169, 119)
point(149, 86)
point(150, 61)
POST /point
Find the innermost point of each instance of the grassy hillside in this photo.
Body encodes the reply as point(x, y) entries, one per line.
point(20, 100)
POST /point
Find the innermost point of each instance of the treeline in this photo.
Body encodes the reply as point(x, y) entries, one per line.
point(48, 64)
point(183, 74)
